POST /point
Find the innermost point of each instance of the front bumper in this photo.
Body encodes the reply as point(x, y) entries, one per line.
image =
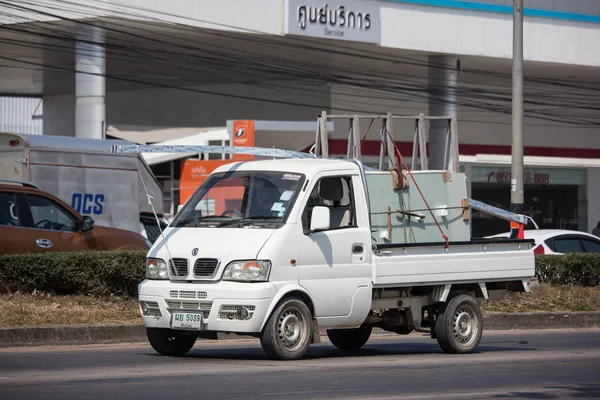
point(217, 301)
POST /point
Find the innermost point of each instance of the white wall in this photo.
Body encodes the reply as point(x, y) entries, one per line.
point(403, 26)
point(264, 16)
point(465, 32)
point(589, 7)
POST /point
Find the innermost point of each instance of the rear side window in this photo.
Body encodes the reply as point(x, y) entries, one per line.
point(567, 245)
point(9, 211)
point(591, 246)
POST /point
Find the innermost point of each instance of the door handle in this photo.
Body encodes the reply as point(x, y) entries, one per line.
point(44, 243)
point(358, 249)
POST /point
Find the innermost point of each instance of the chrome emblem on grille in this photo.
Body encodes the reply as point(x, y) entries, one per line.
point(194, 251)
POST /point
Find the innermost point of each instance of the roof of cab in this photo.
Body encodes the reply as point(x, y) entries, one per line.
point(307, 166)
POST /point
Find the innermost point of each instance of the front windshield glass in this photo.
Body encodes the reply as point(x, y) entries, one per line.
point(242, 198)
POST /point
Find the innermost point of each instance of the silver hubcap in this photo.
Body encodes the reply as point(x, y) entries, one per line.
point(466, 326)
point(291, 329)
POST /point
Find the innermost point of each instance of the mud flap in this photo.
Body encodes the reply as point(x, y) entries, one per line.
point(316, 335)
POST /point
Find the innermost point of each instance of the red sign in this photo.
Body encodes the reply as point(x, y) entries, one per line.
point(194, 173)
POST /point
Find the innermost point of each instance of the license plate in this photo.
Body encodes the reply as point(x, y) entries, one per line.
point(186, 320)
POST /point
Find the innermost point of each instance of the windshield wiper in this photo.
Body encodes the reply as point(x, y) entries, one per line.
point(255, 218)
point(195, 220)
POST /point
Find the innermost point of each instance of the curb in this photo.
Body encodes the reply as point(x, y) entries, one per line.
point(530, 321)
point(70, 335)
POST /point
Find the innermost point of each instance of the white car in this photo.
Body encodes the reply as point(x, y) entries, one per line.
point(558, 241)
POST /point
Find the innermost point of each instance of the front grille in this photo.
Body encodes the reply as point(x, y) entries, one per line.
point(190, 305)
point(205, 267)
point(185, 294)
point(179, 267)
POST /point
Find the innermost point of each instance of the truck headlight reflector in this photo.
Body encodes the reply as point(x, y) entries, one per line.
point(247, 271)
point(156, 269)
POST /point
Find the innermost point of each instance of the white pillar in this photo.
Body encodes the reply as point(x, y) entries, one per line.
point(442, 103)
point(90, 84)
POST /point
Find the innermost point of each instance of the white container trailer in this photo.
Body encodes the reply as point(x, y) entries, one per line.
point(84, 174)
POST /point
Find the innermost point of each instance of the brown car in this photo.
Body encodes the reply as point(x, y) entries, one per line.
point(32, 220)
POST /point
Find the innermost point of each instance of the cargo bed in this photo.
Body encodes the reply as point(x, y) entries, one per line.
point(419, 264)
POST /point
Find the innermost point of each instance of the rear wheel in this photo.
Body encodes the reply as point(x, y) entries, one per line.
point(288, 331)
point(169, 342)
point(459, 325)
point(350, 339)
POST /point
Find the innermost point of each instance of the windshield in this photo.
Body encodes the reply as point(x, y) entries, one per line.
point(241, 198)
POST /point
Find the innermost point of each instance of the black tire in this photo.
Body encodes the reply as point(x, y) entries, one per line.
point(169, 342)
point(288, 332)
point(350, 339)
point(459, 325)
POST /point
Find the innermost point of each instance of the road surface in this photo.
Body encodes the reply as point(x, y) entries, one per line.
point(509, 365)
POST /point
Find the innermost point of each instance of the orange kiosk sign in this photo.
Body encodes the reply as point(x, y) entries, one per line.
point(195, 172)
point(243, 136)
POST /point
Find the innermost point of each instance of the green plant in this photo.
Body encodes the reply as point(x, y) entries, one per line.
point(573, 269)
point(87, 272)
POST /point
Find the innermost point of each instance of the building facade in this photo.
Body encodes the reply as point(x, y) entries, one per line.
point(187, 63)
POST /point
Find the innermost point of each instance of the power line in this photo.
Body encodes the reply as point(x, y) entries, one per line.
point(478, 98)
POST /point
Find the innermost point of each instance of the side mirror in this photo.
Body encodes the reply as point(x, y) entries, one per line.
point(88, 223)
point(320, 219)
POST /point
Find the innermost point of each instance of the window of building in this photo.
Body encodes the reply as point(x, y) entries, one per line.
point(217, 156)
point(554, 198)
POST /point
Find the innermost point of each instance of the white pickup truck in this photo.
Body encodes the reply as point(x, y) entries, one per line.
point(281, 248)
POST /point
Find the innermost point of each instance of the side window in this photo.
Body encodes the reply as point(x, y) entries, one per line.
point(48, 214)
point(152, 229)
point(9, 212)
point(590, 246)
point(336, 194)
point(567, 245)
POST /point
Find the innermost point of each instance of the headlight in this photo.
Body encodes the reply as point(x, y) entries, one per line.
point(156, 269)
point(247, 271)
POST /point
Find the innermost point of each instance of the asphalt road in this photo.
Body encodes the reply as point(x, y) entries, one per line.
point(509, 365)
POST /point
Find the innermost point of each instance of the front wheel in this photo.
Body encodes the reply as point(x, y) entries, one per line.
point(350, 339)
point(288, 332)
point(169, 342)
point(459, 325)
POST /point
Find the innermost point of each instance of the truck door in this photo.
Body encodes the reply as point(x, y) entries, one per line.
point(335, 265)
point(53, 228)
point(13, 234)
